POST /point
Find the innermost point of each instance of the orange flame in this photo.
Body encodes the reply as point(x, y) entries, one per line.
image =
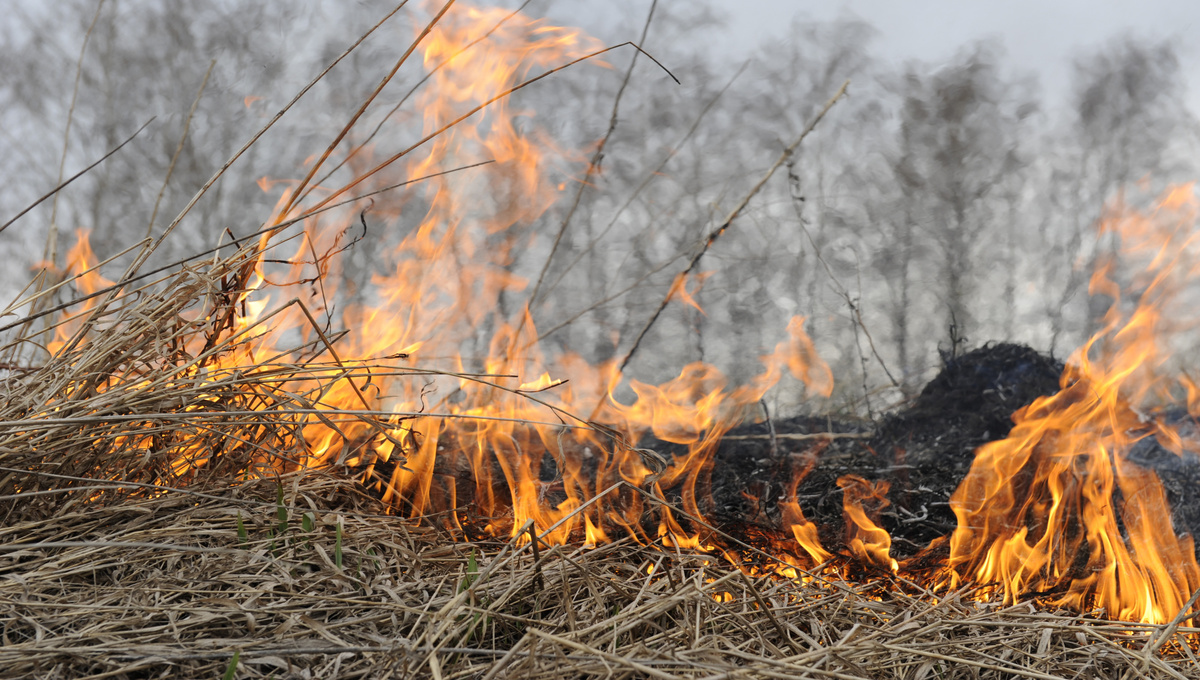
point(679, 289)
point(1062, 489)
point(862, 502)
point(81, 266)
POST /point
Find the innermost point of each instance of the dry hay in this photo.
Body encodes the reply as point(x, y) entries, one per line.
point(113, 563)
point(165, 585)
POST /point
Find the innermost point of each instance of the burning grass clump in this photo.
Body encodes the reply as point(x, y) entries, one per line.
point(146, 386)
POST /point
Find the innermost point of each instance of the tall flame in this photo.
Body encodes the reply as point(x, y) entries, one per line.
point(451, 286)
point(1062, 490)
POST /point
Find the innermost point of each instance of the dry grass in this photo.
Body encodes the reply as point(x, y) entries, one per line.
point(165, 585)
point(115, 561)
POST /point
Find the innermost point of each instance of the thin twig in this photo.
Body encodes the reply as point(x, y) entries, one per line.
point(653, 174)
point(51, 252)
point(76, 176)
point(407, 95)
point(412, 47)
point(798, 202)
point(771, 433)
point(252, 236)
point(254, 139)
point(800, 436)
point(187, 124)
point(593, 167)
point(480, 107)
point(725, 224)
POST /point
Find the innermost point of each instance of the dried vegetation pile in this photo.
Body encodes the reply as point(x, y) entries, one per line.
point(320, 586)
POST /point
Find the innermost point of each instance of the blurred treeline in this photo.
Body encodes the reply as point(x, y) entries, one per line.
point(938, 205)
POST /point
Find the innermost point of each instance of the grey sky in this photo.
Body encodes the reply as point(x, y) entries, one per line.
point(1040, 36)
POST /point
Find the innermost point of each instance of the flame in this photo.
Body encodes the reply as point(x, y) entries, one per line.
point(543, 383)
point(436, 308)
point(450, 276)
point(862, 502)
point(803, 530)
point(1063, 490)
point(679, 289)
point(81, 268)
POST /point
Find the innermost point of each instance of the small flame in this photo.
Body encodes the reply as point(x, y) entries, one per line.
point(81, 266)
point(679, 289)
point(862, 501)
point(543, 383)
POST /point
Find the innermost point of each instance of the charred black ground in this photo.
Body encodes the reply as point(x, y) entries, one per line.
point(922, 451)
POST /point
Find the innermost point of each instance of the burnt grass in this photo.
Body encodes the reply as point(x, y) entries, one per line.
point(922, 451)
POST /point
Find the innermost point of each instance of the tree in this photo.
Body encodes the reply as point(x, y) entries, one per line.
point(143, 60)
point(1128, 100)
point(960, 130)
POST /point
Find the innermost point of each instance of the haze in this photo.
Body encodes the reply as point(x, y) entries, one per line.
point(1039, 36)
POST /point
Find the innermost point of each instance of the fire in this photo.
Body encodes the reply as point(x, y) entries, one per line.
point(862, 501)
point(1062, 490)
point(464, 404)
point(452, 274)
point(83, 271)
